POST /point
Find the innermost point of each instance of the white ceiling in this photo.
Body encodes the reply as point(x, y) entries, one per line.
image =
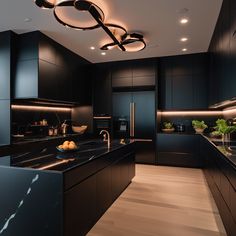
point(158, 20)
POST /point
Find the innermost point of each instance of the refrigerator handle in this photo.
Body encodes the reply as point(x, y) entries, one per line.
point(132, 119)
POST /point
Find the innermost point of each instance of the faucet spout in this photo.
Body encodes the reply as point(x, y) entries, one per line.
point(106, 137)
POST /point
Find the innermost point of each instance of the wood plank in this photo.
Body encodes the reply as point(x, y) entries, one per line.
point(166, 201)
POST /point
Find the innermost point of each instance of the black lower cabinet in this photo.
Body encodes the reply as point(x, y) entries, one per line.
point(220, 176)
point(103, 191)
point(145, 152)
point(178, 150)
point(87, 201)
point(80, 205)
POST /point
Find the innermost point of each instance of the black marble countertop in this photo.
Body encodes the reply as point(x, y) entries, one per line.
point(226, 150)
point(51, 159)
point(25, 140)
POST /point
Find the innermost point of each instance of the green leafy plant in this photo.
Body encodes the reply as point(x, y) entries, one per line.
point(197, 124)
point(168, 125)
point(222, 127)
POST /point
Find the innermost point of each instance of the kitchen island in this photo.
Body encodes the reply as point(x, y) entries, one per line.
point(45, 192)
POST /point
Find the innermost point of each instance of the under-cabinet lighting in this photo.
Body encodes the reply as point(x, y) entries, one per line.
point(192, 113)
point(39, 108)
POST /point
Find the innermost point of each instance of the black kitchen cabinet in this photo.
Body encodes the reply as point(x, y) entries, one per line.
point(183, 82)
point(132, 74)
point(5, 64)
point(103, 190)
point(220, 176)
point(102, 90)
point(222, 50)
point(80, 208)
point(47, 70)
point(144, 73)
point(88, 200)
point(178, 150)
point(5, 124)
point(122, 74)
point(7, 70)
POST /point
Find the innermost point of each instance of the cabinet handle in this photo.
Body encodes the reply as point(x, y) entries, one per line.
point(132, 118)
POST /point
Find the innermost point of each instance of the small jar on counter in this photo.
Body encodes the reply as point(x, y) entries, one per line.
point(51, 131)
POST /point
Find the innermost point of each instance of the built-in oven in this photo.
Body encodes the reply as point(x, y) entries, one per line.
point(102, 123)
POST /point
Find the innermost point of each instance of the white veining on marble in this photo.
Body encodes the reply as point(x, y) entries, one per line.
point(35, 179)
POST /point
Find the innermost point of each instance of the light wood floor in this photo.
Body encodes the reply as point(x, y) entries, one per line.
point(162, 201)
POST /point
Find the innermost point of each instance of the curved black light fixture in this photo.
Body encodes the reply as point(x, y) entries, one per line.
point(133, 42)
point(44, 4)
point(66, 11)
point(119, 32)
point(63, 8)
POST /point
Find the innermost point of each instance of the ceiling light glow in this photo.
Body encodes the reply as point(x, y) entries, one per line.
point(183, 21)
point(184, 49)
point(184, 39)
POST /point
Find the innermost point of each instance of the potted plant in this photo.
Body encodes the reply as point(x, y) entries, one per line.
point(199, 126)
point(222, 128)
point(168, 127)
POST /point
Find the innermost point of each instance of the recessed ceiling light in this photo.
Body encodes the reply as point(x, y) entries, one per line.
point(27, 19)
point(92, 48)
point(184, 49)
point(183, 21)
point(103, 53)
point(184, 39)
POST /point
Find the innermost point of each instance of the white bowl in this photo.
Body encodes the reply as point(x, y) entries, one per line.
point(79, 129)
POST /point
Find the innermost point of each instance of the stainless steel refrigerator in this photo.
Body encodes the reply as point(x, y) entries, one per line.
point(138, 110)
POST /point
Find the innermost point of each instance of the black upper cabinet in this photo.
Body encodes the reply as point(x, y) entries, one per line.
point(136, 73)
point(144, 73)
point(6, 63)
point(223, 55)
point(122, 74)
point(47, 70)
point(102, 91)
point(182, 92)
point(183, 82)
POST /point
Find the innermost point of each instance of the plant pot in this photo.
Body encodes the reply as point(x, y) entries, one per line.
point(199, 130)
point(168, 130)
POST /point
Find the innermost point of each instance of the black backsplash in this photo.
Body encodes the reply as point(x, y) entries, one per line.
point(187, 121)
point(21, 119)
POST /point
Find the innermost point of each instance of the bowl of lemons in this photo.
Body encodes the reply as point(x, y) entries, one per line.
point(68, 146)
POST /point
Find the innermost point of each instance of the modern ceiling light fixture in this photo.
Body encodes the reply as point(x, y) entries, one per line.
point(134, 42)
point(81, 15)
point(46, 4)
point(85, 15)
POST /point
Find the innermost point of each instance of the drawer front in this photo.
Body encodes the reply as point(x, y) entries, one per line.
point(178, 159)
